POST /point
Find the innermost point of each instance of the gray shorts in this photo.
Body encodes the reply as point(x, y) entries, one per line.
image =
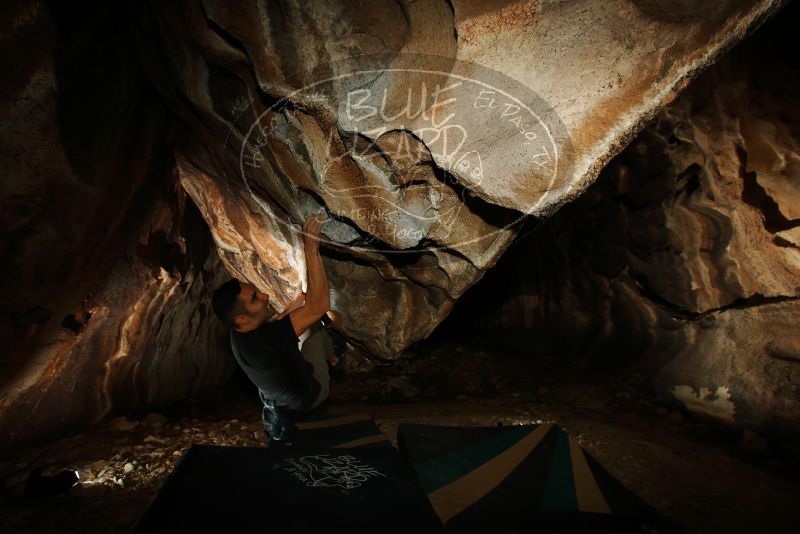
point(316, 349)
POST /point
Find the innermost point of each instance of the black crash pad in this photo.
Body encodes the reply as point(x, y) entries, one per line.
point(339, 474)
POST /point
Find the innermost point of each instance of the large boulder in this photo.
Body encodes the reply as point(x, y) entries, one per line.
point(426, 130)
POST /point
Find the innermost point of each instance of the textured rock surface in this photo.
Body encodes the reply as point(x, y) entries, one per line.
point(683, 255)
point(107, 266)
point(268, 142)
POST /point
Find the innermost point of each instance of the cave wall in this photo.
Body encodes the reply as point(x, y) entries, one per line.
point(107, 266)
point(128, 137)
point(682, 261)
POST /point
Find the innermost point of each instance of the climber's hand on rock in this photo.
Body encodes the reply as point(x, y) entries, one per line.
point(312, 229)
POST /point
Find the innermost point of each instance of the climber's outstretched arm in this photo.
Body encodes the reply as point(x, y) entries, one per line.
point(317, 300)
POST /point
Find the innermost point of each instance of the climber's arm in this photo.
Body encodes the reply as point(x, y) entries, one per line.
point(317, 300)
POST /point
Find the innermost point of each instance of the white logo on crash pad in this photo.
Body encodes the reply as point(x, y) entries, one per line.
point(323, 470)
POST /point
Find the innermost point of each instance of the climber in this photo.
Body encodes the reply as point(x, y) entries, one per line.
point(285, 355)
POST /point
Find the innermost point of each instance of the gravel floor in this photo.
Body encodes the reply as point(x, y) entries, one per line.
point(702, 477)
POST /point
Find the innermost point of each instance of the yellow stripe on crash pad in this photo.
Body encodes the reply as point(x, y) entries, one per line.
point(452, 499)
point(362, 441)
point(589, 496)
point(336, 421)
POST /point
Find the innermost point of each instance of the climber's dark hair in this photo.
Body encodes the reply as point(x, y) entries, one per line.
point(226, 303)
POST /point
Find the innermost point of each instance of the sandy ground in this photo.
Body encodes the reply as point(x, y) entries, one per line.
point(700, 476)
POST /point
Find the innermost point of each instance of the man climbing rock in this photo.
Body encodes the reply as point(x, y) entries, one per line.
point(285, 356)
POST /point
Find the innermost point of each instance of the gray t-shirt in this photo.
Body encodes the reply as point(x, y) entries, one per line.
point(270, 357)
